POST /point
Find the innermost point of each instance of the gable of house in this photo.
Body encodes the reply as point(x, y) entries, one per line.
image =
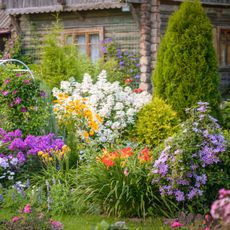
point(5, 28)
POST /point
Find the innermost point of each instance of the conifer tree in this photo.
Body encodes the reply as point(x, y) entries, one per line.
point(186, 70)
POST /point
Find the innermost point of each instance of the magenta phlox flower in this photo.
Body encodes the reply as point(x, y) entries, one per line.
point(17, 101)
point(21, 157)
point(17, 144)
point(27, 209)
point(5, 93)
point(7, 81)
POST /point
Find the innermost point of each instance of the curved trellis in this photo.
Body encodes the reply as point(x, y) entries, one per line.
point(27, 69)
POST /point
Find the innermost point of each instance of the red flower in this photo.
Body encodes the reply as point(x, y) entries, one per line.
point(144, 155)
point(138, 90)
point(106, 160)
point(129, 80)
point(126, 152)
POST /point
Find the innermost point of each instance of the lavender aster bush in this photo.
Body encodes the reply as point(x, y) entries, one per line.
point(184, 165)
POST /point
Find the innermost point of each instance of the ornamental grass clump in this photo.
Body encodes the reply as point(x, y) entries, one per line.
point(186, 69)
point(189, 163)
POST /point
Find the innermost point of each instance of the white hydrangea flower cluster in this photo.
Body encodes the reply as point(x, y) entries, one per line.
point(115, 104)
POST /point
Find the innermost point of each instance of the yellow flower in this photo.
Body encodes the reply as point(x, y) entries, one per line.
point(91, 132)
point(40, 153)
point(86, 135)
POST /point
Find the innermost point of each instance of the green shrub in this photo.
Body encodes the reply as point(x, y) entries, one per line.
point(156, 121)
point(59, 61)
point(186, 70)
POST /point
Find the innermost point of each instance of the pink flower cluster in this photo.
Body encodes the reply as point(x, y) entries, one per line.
point(176, 224)
point(221, 208)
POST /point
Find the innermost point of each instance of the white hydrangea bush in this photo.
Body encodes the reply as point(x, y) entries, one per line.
point(117, 106)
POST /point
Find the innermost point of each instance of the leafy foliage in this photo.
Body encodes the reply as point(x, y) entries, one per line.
point(186, 70)
point(118, 183)
point(156, 121)
point(22, 103)
point(194, 163)
point(61, 61)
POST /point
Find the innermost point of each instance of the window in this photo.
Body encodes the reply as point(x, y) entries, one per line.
point(88, 41)
point(223, 47)
point(3, 38)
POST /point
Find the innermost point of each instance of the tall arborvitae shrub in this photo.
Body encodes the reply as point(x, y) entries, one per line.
point(186, 70)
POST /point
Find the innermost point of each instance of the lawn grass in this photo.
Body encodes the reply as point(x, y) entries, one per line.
point(87, 222)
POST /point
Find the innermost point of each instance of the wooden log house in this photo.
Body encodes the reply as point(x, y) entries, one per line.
point(136, 25)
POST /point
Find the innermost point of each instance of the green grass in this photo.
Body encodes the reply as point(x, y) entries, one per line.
point(87, 222)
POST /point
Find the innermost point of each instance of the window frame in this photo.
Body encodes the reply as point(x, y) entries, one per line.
point(219, 30)
point(86, 32)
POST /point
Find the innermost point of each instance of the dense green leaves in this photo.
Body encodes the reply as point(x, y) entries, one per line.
point(186, 69)
point(156, 121)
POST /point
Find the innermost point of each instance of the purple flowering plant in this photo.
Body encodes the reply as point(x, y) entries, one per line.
point(183, 167)
point(23, 102)
point(19, 155)
point(124, 64)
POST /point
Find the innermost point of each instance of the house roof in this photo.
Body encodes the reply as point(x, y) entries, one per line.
point(211, 2)
point(5, 22)
point(46, 6)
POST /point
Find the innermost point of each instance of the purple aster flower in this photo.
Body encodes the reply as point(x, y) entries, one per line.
point(138, 65)
point(122, 63)
point(163, 169)
point(1, 197)
point(179, 195)
point(104, 49)
point(14, 161)
point(4, 162)
point(193, 192)
point(182, 182)
point(42, 93)
point(137, 76)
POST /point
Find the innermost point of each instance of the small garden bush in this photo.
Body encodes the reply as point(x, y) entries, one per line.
point(61, 61)
point(186, 70)
point(155, 122)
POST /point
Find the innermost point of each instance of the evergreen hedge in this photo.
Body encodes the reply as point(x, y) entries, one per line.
point(186, 70)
